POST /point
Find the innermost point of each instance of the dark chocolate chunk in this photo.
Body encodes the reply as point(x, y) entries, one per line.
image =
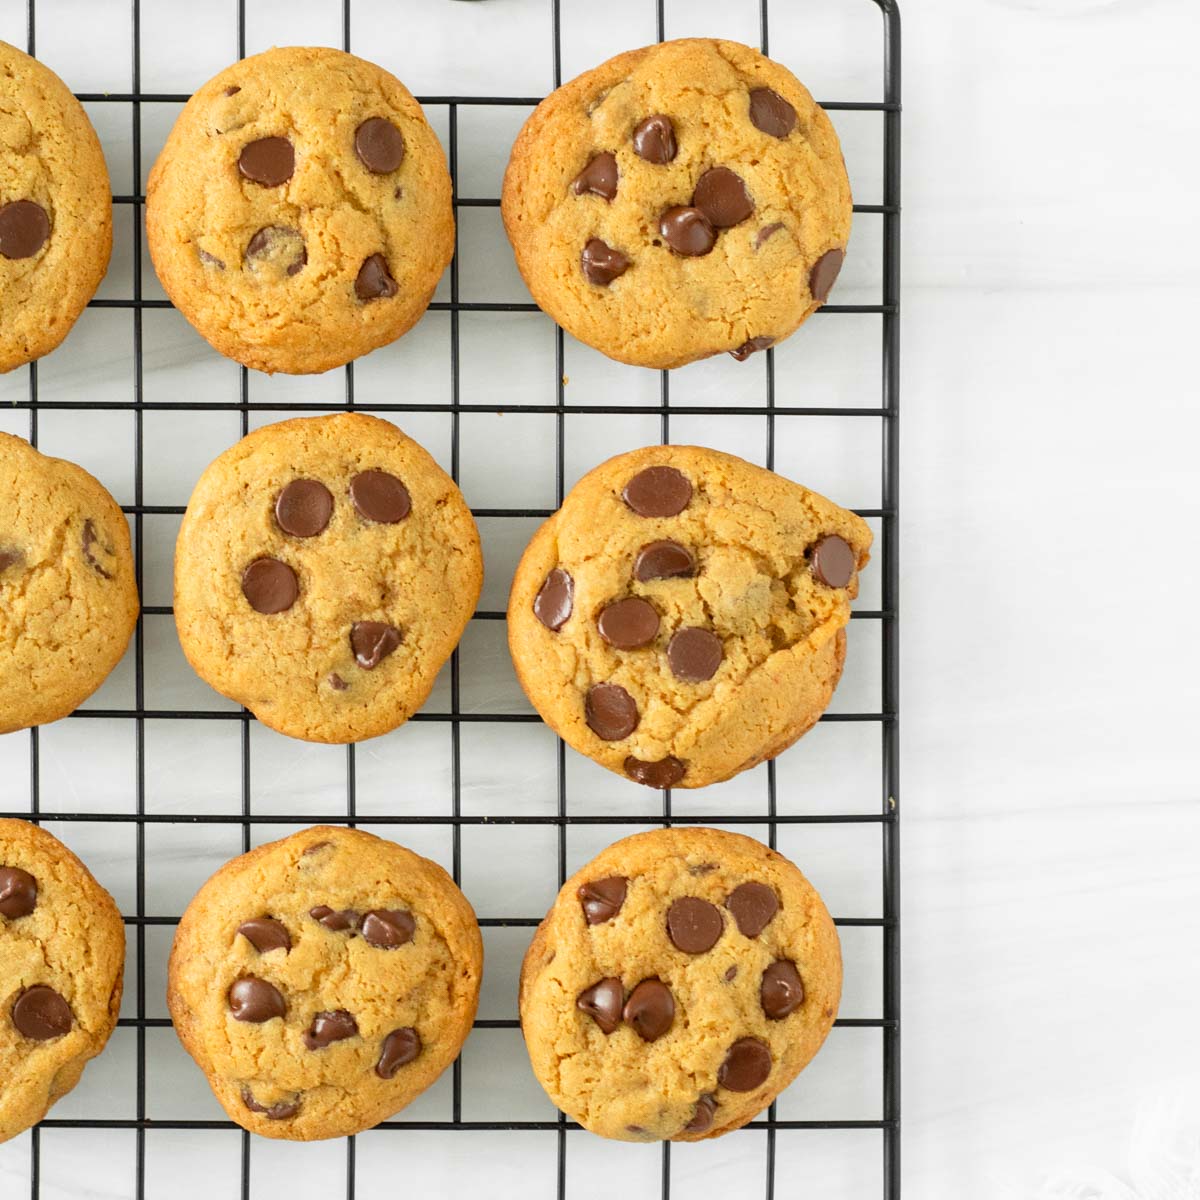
point(663, 773)
point(753, 905)
point(255, 1000)
point(833, 561)
point(602, 898)
point(380, 497)
point(399, 1048)
point(270, 586)
point(602, 1002)
point(771, 113)
point(265, 934)
point(379, 145)
point(41, 1013)
point(687, 231)
point(658, 492)
point(599, 177)
point(629, 623)
point(372, 642)
point(601, 263)
point(694, 925)
point(746, 1066)
point(329, 1027)
point(694, 654)
point(654, 140)
point(610, 711)
point(722, 197)
point(303, 508)
point(781, 990)
point(24, 228)
point(374, 280)
point(388, 928)
point(555, 599)
point(269, 161)
point(650, 1009)
point(18, 893)
point(824, 274)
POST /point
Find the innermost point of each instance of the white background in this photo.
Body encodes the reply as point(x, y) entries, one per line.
point(1050, 664)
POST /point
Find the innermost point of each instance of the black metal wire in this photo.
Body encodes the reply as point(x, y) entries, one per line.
point(888, 309)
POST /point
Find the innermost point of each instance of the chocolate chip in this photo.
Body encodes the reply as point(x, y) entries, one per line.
point(753, 905)
point(336, 682)
point(731, 974)
point(265, 934)
point(256, 1000)
point(89, 540)
point(387, 928)
point(232, 90)
point(279, 1111)
point(694, 925)
point(303, 508)
point(380, 497)
point(279, 246)
point(722, 197)
point(374, 280)
point(658, 492)
point(702, 868)
point(10, 558)
point(18, 893)
point(601, 263)
point(746, 1066)
point(650, 1009)
point(654, 140)
point(663, 560)
point(400, 1047)
point(766, 232)
point(602, 898)
point(328, 1027)
point(771, 113)
point(314, 848)
point(751, 346)
point(602, 1002)
point(379, 145)
point(599, 177)
point(833, 561)
point(824, 274)
point(270, 586)
point(555, 599)
point(269, 161)
point(629, 623)
point(694, 654)
point(24, 228)
point(41, 1013)
point(702, 1118)
point(781, 990)
point(687, 231)
point(610, 711)
point(664, 773)
point(330, 918)
point(372, 642)
point(210, 260)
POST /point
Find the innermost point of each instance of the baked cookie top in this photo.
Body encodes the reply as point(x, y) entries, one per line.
point(323, 981)
point(68, 595)
point(299, 214)
point(679, 201)
point(55, 209)
point(681, 981)
point(62, 950)
point(679, 618)
point(325, 569)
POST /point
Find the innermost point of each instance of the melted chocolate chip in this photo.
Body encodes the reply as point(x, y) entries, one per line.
point(379, 145)
point(372, 642)
point(374, 280)
point(722, 197)
point(338, 922)
point(41, 1013)
point(766, 233)
point(232, 90)
point(694, 654)
point(629, 623)
point(255, 1000)
point(329, 1027)
point(387, 928)
point(601, 263)
point(399, 1048)
point(380, 497)
point(753, 905)
point(771, 113)
point(824, 274)
point(279, 246)
point(336, 682)
point(702, 1118)
point(279, 1111)
point(24, 228)
point(833, 561)
point(664, 560)
point(746, 1066)
point(602, 1002)
point(10, 558)
point(751, 346)
point(303, 508)
point(89, 540)
point(210, 260)
point(265, 934)
point(650, 1009)
point(654, 140)
point(602, 898)
point(694, 925)
point(663, 773)
point(599, 177)
point(269, 161)
point(555, 599)
point(18, 893)
point(781, 990)
point(658, 492)
point(687, 231)
point(270, 586)
point(610, 711)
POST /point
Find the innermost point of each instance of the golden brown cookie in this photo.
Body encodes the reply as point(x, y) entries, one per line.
point(680, 618)
point(62, 952)
point(55, 209)
point(679, 201)
point(681, 981)
point(68, 596)
point(300, 212)
point(324, 981)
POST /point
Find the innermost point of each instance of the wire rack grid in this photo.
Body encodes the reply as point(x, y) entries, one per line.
point(150, 932)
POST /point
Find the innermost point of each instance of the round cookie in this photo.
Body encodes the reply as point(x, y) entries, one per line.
point(325, 569)
point(680, 982)
point(62, 952)
point(679, 201)
point(300, 212)
point(55, 209)
point(681, 617)
point(68, 595)
point(324, 981)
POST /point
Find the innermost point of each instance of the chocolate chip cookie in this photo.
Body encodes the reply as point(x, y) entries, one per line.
point(62, 952)
point(682, 616)
point(680, 982)
point(679, 201)
point(325, 569)
point(300, 214)
point(68, 595)
point(55, 209)
point(324, 981)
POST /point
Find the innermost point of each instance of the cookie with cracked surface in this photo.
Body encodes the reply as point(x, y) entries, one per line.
point(325, 569)
point(299, 214)
point(679, 201)
point(681, 617)
point(680, 982)
point(55, 209)
point(62, 952)
point(324, 981)
point(68, 595)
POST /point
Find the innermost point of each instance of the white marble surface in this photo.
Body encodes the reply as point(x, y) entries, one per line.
point(1050, 664)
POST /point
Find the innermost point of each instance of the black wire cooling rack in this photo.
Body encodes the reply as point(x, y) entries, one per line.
point(129, 208)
